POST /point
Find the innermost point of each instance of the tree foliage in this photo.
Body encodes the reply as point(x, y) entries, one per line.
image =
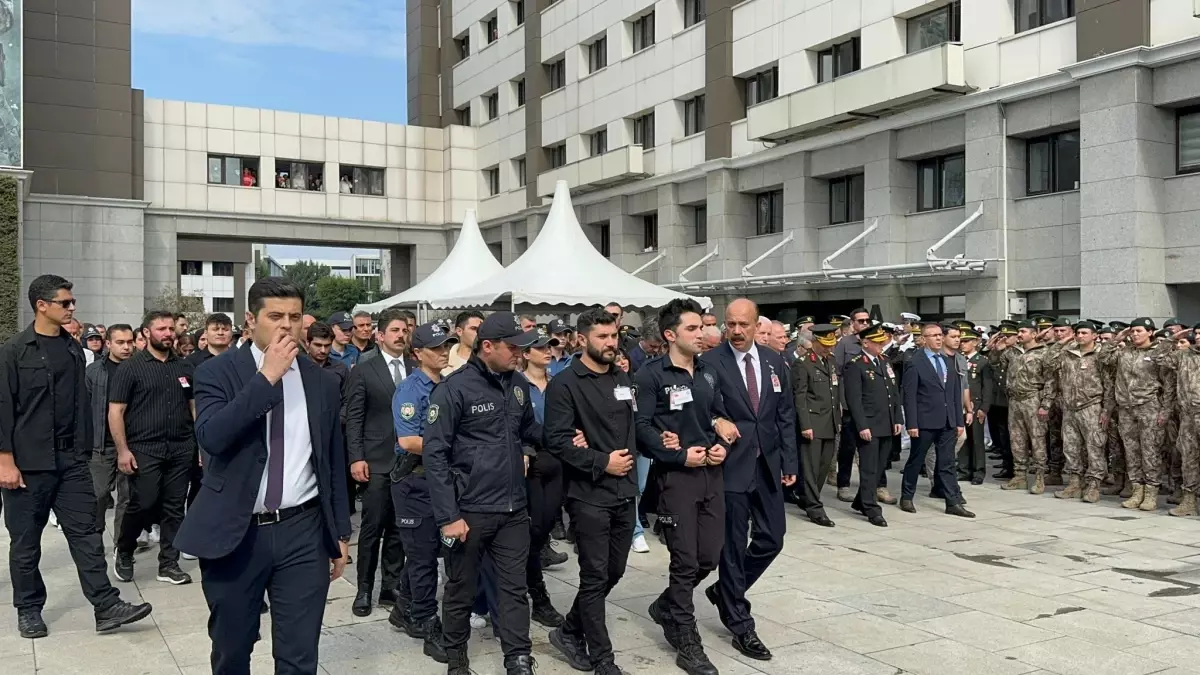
point(169, 299)
point(306, 274)
point(337, 294)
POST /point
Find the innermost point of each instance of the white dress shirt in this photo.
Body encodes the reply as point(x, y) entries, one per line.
point(755, 363)
point(299, 481)
point(388, 360)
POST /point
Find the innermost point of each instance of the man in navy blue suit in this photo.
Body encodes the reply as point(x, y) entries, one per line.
point(933, 414)
point(755, 384)
point(272, 513)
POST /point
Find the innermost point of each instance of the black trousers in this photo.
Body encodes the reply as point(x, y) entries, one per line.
point(544, 486)
point(289, 562)
point(997, 421)
point(194, 478)
point(70, 494)
point(504, 536)
point(972, 457)
point(943, 478)
point(847, 445)
point(378, 530)
point(761, 510)
point(691, 508)
point(422, 546)
point(107, 478)
point(604, 535)
point(872, 459)
point(157, 493)
point(815, 458)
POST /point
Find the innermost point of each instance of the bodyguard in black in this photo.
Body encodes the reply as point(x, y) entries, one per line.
point(679, 394)
point(593, 395)
point(479, 420)
point(106, 477)
point(873, 399)
point(152, 416)
point(45, 440)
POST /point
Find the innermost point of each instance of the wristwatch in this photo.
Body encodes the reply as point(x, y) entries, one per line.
point(345, 539)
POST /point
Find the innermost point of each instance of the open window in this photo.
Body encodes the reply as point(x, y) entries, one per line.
point(361, 180)
point(296, 175)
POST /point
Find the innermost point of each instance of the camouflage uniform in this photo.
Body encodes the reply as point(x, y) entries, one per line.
point(1054, 421)
point(1080, 386)
point(1184, 376)
point(1030, 381)
point(1115, 446)
point(1142, 401)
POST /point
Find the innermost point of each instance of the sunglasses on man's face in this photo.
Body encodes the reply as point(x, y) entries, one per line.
point(65, 304)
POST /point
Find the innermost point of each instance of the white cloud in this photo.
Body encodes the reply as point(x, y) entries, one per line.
point(369, 27)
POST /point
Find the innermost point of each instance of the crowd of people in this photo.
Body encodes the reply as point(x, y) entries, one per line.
point(473, 445)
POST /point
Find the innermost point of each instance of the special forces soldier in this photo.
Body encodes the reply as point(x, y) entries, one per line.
point(410, 491)
point(819, 419)
point(1080, 385)
point(479, 421)
point(1030, 379)
point(1143, 403)
point(1184, 367)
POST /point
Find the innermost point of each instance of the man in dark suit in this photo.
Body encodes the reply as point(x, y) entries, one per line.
point(873, 399)
point(371, 446)
point(271, 515)
point(755, 384)
point(933, 413)
point(818, 404)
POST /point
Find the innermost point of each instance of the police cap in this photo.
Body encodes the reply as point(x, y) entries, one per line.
point(431, 335)
point(507, 327)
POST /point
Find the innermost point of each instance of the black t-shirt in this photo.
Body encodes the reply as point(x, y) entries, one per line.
point(110, 367)
point(158, 395)
point(62, 371)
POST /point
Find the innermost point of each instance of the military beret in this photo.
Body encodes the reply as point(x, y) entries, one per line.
point(1118, 326)
point(1142, 322)
point(1085, 325)
point(1172, 322)
point(1028, 324)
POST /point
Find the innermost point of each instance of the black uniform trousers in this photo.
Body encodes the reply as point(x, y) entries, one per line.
point(997, 421)
point(872, 460)
point(505, 536)
point(848, 443)
point(157, 493)
point(70, 494)
point(604, 535)
point(944, 480)
point(107, 478)
point(815, 458)
point(761, 510)
point(377, 530)
point(544, 486)
point(422, 545)
point(691, 508)
point(972, 458)
point(289, 562)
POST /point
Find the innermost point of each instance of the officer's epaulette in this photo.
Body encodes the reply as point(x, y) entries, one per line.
point(857, 357)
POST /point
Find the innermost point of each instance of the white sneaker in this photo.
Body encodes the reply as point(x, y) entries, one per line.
point(186, 556)
point(154, 535)
point(143, 541)
point(53, 519)
point(478, 620)
point(640, 545)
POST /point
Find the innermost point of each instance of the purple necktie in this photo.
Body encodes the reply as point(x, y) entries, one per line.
point(751, 383)
point(275, 458)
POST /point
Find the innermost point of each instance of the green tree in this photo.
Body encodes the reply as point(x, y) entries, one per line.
point(261, 269)
point(169, 299)
point(306, 274)
point(337, 294)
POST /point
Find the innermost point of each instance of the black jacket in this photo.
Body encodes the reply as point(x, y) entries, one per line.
point(475, 430)
point(818, 402)
point(96, 376)
point(872, 395)
point(367, 411)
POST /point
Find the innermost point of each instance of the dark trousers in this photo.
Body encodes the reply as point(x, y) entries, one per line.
point(815, 458)
point(997, 421)
point(194, 477)
point(505, 536)
point(544, 485)
point(761, 510)
point(972, 458)
point(847, 445)
point(289, 562)
point(691, 508)
point(106, 479)
point(157, 492)
point(872, 458)
point(422, 545)
point(944, 478)
point(378, 530)
point(26, 510)
point(604, 535)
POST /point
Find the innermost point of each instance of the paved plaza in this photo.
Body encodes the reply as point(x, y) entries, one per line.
point(1033, 585)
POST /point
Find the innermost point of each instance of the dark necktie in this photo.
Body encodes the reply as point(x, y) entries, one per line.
point(751, 383)
point(274, 494)
point(396, 377)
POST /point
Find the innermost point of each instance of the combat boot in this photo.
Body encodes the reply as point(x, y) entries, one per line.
point(1113, 490)
point(1187, 505)
point(845, 494)
point(1072, 491)
point(1091, 491)
point(1127, 491)
point(884, 497)
point(1136, 494)
point(1054, 478)
point(1017, 482)
point(1149, 498)
point(1177, 496)
point(1039, 483)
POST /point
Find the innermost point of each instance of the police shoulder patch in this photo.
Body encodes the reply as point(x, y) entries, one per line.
point(432, 415)
point(520, 395)
point(408, 411)
point(712, 381)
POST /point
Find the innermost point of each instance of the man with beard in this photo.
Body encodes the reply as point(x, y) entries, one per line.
point(105, 476)
point(218, 335)
point(594, 396)
point(151, 413)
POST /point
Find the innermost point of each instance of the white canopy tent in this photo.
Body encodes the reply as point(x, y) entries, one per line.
point(469, 262)
point(561, 268)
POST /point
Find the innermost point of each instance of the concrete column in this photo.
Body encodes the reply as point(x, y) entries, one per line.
point(890, 189)
point(805, 211)
point(624, 233)
point(1127, 148)
point(674, 234)
point(730, 221)
point(990, 157)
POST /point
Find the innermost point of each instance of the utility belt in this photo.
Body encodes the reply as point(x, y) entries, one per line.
point(406, 464)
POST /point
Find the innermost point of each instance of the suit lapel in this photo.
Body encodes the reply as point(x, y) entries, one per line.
point(379, 364)
point(929, 365)
point(246, 367)
point(312, 394)
point(729, 357)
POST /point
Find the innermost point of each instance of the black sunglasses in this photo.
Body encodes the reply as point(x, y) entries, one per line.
point(65, 304)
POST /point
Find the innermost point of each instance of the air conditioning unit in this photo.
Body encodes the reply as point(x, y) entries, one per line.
point(1018, 305)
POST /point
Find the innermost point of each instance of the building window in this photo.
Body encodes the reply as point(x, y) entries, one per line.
point(293, 175)
point(643, 32)
point(693, 115)
point(1063, 304)
point(939, 308)
point(519, 170)
point(225, 170)
point(191, 268)
point(597, 55)
point(840, 59)
point(556, 155)
point(598, 143)
point(519, 10)
point(768, 212)
point(492, 178)
point(693, 12)
point(222, 269)
point(762, 86)
point(650, 232)
point(360, 180)
point(491, 29)
point(933, 28)
point(464, 46)
point(222, 305)
point(463, 115)
point(846, 198)
point(700, 224)
point(492, 103)
point(1036, 13)
point(1052, 163)
point(605, 241)
point(643, 130)
point(520, 86)
point(1187, 131)
point(941, 182)
point(556, 74)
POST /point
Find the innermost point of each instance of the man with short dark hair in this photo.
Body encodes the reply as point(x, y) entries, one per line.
point(181, 324)
point(649, 347)
point(105, 475)
point(847, 348)
point(320, 342)
point(466, 324)
point(218, 335)
point(362, 337)
point(343, 350)
point(44, 445)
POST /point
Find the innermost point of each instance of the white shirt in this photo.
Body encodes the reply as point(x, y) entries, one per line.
point(388, 360)
point(755, 363)
point(89, 356)
point(299, 481)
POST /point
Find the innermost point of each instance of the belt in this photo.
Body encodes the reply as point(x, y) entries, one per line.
point(272, 517)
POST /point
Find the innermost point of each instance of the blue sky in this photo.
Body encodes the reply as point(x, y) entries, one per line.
point(329, 57)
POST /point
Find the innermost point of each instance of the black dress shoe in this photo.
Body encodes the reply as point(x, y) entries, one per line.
point(30, 624)
point(519, 665)
point(977, 480)
point(958, 510)
point(387, 597)
point(962, 477)
point(362, 603)
point(749, 645)
point(823, 521)
point(906, 506)
point(877, 521)
point(121, 614)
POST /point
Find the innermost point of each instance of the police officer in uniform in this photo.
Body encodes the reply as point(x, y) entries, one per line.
point(410, 491)
point(873, 398)
point(476, 428)
point(819, 419)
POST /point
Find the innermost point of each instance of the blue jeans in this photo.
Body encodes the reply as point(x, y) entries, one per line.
point(643, 469)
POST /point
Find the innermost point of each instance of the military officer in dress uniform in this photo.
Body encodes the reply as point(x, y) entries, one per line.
point(980, 381)
point(873, 397)
point(819, 419)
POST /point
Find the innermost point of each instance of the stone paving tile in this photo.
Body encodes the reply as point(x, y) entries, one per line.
point(1186, 621)
point(1036, 583)
point(901, 606)
point(1102, 629)
point(933, 658)
point(1008, 603)
point(1068, 656)
point(1120, 603)
point(864, 633)
point(1156, 548)
point(1182, 651)
point(933, 583)
point(985, 631)
point(817, 656)
point(828, 584)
